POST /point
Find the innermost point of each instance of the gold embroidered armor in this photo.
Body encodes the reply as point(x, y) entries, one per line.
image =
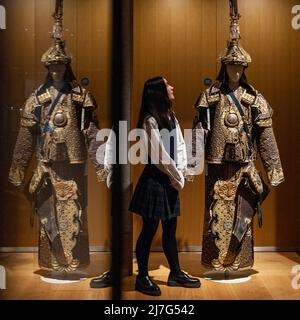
point(61, 126)
point(235, 121)
point(227, 140)
point(72, 133)
point(62, 142)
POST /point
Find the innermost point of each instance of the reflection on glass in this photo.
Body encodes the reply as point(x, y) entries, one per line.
point(58, 127)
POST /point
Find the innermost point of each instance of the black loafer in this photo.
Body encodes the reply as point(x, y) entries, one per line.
point(183, 280)
point(147, 286)
point(104, 281)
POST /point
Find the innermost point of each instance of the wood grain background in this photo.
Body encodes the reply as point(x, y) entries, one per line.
point(180, 40)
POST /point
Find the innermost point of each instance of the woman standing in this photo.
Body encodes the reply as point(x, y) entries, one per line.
point(156, 195)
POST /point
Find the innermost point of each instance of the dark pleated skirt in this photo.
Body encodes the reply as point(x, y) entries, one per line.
point(154, 197)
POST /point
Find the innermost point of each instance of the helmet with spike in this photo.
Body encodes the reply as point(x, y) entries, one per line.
point(234, 53)
point(56, 54)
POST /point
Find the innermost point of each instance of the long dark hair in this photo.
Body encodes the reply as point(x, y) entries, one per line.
point(69, 78)
point(223, 80)
point(156, 103)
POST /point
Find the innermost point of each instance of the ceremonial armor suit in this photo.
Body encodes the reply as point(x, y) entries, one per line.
point(229, 207)
point(62, 126)
point(234, 121)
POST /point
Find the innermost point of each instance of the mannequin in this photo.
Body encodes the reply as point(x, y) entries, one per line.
point(234, 72)
point(59, 124)
point(57, 72)
point(238, 124)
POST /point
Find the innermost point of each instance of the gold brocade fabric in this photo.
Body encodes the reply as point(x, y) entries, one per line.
point(233, 141)
point(222, 135)
point(61, 139)
point(68, 134)
point(69, 228)
point(223, 213)
point(220, 217)
point(73, 251)
point(226, 139)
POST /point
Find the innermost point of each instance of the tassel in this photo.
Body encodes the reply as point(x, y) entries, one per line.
point(259, 215)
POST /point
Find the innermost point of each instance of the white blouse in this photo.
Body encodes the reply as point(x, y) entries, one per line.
point(161, 158)
point(154, 145)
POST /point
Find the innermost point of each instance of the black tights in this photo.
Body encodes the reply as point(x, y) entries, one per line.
point(144, 241)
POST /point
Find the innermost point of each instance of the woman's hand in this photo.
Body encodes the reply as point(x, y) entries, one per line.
point(178, 184)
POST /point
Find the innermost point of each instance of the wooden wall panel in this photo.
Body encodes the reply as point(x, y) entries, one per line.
point(17, 69)
point(174, 39)
point(87, 32)
point(182, 40)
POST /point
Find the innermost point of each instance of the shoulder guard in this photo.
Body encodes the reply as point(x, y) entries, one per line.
point(213, 94)
point(28, 118)
point(30, 104)
point(42, 95)
point(264, 112)
point(247, 98)
point(208, 97)
point(89, 101)
point(201, 101)
point(78, 94)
